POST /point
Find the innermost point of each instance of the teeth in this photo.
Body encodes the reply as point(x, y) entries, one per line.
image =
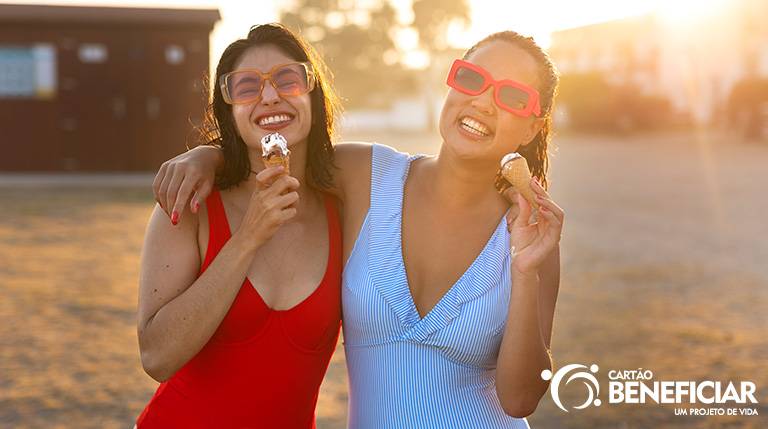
point(267, 120)
point(474, 127)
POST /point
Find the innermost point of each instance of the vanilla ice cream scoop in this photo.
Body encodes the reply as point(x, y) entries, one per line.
point(515, 169)
point(274, 151)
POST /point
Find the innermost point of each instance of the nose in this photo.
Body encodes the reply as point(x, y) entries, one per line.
point(269, 95)
point(484, 102)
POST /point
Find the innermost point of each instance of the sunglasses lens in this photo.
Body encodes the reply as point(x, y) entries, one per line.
point(244, 86)
point(469, 79)
point(514, 98)
point(291, 80)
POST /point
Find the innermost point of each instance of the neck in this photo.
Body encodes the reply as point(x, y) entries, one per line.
point(458, 182)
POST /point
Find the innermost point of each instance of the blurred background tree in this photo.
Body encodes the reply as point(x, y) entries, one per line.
point(583, 96)
point(432, 20)
point(358, 41)
point(358, 46)
point(593, 104)
point(748, 108)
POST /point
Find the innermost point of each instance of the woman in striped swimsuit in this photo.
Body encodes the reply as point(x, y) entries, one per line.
point(448, 292)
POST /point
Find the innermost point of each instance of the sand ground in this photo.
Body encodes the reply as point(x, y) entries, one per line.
point(665, 267)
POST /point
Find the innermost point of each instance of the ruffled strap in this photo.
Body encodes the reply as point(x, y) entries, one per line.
point(388, 173)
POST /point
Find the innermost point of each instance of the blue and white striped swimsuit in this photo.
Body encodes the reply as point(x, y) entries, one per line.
point(408, 372)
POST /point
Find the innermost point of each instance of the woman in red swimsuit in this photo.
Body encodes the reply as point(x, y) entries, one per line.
point(239, 304)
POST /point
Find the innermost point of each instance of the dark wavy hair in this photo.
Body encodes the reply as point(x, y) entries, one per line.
point(534, 152)
point(219, 128)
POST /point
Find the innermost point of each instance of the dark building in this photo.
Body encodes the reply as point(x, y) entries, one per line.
point(99, 88)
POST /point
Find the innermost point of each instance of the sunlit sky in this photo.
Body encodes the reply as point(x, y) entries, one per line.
point(537, 19)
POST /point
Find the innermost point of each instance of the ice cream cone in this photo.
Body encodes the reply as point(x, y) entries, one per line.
point(278, 160)
point(274, 151)
point(515, 169)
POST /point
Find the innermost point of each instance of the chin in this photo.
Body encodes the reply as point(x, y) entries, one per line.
point(466, 148)
point(463, 149)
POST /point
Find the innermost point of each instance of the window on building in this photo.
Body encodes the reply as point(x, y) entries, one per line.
point(28, 71)
point(174, 54)
point(94, 53)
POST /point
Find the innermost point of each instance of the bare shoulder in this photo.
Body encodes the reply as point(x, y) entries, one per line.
point(160, 227)
point(354, 174)
point(170, 261)
point(353, 156)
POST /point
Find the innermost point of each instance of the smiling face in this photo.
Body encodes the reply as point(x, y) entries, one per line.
point(291, 116)
point(474, 127)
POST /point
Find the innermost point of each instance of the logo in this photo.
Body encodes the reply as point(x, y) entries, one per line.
point(589, 380)
point(689, 397)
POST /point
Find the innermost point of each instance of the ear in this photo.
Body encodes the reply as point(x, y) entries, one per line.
point(533, 129)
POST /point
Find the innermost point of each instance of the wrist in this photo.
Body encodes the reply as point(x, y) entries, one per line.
point(524, 275)
point(244, 242)
point(210, 155)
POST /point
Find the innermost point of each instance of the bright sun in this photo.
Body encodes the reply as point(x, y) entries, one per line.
point(538, 19)
point(689, 10)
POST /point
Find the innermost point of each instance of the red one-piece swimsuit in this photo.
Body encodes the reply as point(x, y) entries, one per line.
point(262, 368)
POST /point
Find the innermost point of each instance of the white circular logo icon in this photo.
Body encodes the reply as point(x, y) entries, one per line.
point(588, 379)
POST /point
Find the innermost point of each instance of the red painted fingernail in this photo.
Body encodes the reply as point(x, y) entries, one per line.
point(175, 218)
point(197, 205)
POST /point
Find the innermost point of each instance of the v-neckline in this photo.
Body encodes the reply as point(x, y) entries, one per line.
point(326, 273)
point(406, 283)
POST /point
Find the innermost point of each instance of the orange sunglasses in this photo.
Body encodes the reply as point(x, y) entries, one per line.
point(245, 86)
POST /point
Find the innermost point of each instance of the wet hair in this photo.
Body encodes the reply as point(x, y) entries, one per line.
point(534, 152)
point(219, 126)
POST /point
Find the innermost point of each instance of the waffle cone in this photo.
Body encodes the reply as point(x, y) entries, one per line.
point(275, 160)
point(518, 175)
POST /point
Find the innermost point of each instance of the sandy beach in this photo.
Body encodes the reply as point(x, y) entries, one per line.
point(664, 267)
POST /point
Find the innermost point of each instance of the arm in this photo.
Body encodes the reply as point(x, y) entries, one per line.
point(190, 176)
point(525, 347)
point(178, 311)
point(549, 277)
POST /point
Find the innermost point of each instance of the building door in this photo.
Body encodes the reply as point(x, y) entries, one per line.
point(171, 97)
point(95, 86)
